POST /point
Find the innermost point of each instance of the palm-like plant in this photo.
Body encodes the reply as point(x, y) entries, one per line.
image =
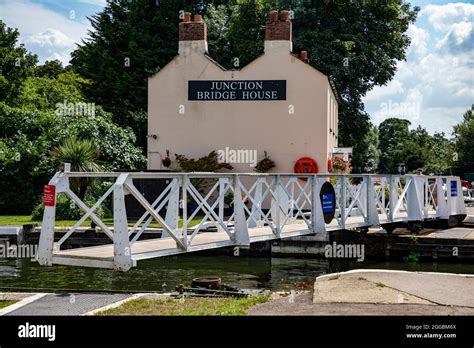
point(83, 155)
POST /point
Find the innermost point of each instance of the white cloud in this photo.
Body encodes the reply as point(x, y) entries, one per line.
point(52, 43)
point(442, 17)
point(44, 32)
point(419, 38)
point(100, 3)
point(459, 39)
point(438, 76)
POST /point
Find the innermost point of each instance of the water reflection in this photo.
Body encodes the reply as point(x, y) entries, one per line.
point(150, 275)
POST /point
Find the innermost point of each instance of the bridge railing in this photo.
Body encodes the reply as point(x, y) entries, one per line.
point(275, 204)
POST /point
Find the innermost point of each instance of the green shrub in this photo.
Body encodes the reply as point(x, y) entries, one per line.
point(65, 209)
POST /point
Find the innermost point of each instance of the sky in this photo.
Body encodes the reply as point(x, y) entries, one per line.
point(432, 88)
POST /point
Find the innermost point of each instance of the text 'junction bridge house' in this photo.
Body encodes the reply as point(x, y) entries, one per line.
point(277, 103)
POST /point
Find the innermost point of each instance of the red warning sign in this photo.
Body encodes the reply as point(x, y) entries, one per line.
point(49, 195)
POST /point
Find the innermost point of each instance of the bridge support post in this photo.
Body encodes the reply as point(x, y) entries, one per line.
point(172, 210)
point(241, 233)
point(255, 216)
point(460, 206)
point(46, 241)
point(393, 197)
point(441, 201)
point(372, 215)
point(414, 198)
point(317, 216)
point(122, 252)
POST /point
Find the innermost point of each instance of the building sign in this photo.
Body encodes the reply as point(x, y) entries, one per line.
point(328, 201)
point(49, 195)
point(223, 90)
point(454, 188)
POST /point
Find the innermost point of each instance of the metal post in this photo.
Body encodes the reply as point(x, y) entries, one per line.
point(278, 205)
point(222, 183)
point(122, 252)
point(184, 190)
point(414, 197)
point(46, 242)
point(393, 197)
point(172, 211)
point(372, 215)
point(342, 205)
point(255, 216)
point(241, 234)
point(318, 225)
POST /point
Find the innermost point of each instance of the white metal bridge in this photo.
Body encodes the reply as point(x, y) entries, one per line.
point(262, 207)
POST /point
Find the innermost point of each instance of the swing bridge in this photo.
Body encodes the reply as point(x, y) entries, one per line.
point(235, 210)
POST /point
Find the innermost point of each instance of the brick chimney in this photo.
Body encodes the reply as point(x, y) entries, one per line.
point(192, 35)
point(304, 56)
point(278, 32)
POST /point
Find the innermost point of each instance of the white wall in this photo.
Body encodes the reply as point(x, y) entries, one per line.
point(260, 125)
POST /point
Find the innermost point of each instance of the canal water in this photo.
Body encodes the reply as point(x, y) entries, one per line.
point(163, 274)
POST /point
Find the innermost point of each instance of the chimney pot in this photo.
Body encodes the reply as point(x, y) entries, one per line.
point(198, 18)
point(278, 30)
point(187, 17)
point(273, 16)
point(304, 56)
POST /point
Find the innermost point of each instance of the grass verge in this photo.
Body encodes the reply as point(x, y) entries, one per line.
point(19, 220)
point(189, 306)
point(6, 303)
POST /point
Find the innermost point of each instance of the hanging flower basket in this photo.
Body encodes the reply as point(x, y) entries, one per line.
point(265, 164)
point(167, 160)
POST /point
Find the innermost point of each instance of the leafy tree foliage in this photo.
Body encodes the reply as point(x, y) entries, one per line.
point(46, 92)
point(418, 150)
point(393, 132)
point(28, 137)
point(16, 64)
point(464, 143)
point(50, 68)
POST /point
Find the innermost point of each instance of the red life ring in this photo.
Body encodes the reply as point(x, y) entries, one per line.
point(306, 165)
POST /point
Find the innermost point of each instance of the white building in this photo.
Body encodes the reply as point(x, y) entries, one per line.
point(278, 103)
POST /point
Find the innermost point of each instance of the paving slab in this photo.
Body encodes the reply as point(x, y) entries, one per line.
point(68, 304)
point(360, 290)
point(452, 233)
point(440, 288)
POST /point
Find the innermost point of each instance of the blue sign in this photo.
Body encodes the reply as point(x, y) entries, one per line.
point(454, 188)
point(328, 203)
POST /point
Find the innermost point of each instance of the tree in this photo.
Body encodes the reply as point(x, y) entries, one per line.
point(441, 151)
point(393, 134)
point(46, 92)
point(418, 150)
point(29, 135)
point(50, 68)
point(16, 64)
point(83, 155)
point(373, 152)
point(464, 143)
